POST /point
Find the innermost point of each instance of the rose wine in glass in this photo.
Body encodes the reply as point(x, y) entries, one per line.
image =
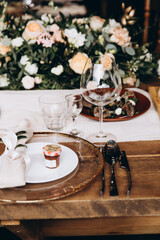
point(100, 85)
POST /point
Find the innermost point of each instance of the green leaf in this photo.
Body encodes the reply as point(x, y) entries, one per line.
point(21, 145)
point(110, 47)
point(6, 41)
point(21, 137)
point(130, 51)
point(20, 132)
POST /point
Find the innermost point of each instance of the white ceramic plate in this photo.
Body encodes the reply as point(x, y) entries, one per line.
point(38, 173)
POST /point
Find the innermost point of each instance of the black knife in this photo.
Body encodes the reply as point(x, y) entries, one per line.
point(124, 164)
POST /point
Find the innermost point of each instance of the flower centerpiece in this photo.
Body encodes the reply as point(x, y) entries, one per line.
point(49, 52)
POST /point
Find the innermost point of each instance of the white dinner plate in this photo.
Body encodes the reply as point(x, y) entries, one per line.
point(38, 173)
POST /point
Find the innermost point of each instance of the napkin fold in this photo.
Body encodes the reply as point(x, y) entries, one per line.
point(14, 161)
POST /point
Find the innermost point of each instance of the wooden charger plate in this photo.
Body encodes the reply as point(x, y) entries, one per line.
point(89, 157)
point(142, 106)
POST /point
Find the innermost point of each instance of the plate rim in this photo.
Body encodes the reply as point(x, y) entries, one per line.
point(34, 182)
point(77, 188)
point(123, 118)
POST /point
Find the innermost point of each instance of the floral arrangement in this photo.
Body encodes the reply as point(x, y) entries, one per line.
point(49, 52)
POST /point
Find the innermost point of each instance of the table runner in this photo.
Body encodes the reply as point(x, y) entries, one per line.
point(19, 105)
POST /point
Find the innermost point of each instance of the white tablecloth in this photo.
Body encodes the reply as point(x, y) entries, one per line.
point(16, 106)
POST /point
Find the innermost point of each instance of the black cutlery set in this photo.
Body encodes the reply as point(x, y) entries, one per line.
point(112, 154)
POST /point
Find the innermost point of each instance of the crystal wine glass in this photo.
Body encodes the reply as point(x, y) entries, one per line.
point(74, 105)
point(100, 85)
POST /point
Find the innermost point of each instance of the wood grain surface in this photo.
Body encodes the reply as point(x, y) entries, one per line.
point(86, 213)
point(153, 91)
point(143, 200)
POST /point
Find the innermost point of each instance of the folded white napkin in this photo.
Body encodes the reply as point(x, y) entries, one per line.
point(14, 161)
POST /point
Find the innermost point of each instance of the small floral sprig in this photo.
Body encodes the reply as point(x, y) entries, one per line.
point(49, 52)
point(21, 135)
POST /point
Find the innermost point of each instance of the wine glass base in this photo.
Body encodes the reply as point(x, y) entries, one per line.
point(76, 134)
point(100, 140)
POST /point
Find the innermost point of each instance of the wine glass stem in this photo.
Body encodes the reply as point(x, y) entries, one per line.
point(100, 134)
point(74, 129)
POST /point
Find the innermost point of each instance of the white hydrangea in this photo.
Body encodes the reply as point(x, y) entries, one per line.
point(148, 57)
point(24, 60)
point(17, 42)
point(31, 68)
point(28, 82)
point(57, 70)
point(4, 81)
point(75, 38)
point(47, 18)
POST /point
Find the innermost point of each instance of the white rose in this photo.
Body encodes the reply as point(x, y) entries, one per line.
point(118, 111)
point(28, 82)
point(24, 60)
point(31, 68)
point(37, 80)
point(4, 81)
point(57, 70)
point(45, 18)
point(17, 42)
point(80, 40)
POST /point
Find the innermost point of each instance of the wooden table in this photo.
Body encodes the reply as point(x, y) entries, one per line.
point(86, 213)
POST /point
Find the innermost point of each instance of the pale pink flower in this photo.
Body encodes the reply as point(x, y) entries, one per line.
point(120, 36)
point(28, 82)
point(4, 49)
point(46, 39)
point(117, 34)
point(37, 80)
point(96, 23)
point(54, 28)
point(107, 60)
point(57, 33)
point(129, 80)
